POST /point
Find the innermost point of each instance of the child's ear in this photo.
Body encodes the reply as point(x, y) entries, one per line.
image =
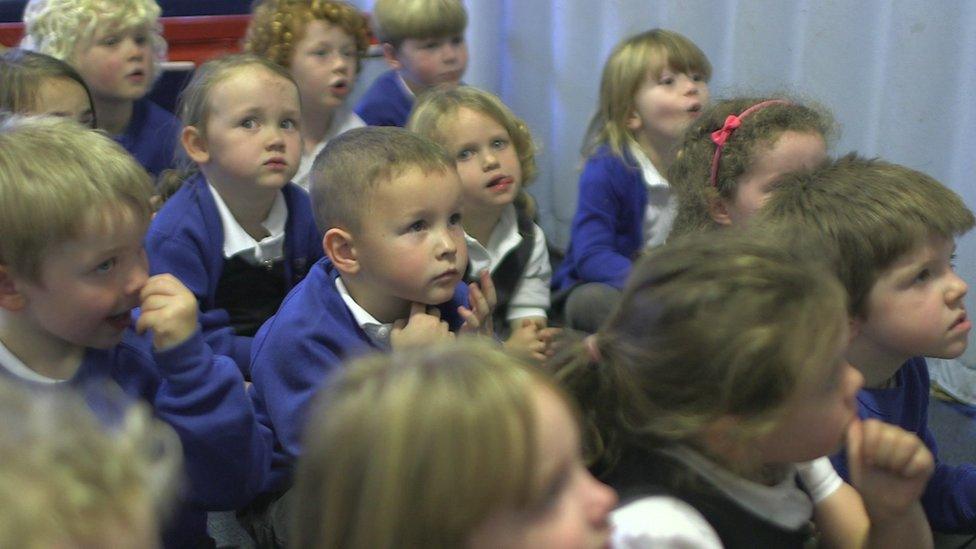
point(10, 297)
point(719, 212)
point(634, 121)
point(339, 246)
point(195, 145)
point(390, 54)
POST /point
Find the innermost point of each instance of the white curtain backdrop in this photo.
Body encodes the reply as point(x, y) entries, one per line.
point(897, 74)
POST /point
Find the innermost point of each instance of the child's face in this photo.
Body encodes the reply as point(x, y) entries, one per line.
point(66, 98)
point(817, 417)
point(427, 62)
point(575, 511)
point(323, 64)
point(915, 308)
point(486, 159)
point(88, 286)
point(117, 64)
point(411, 245)
point(664, 106)
point(792, 151)
point(252, 138)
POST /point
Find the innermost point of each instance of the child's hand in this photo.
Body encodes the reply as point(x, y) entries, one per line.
point(424, 326)
point(889, 466)
point(526, 342)
point(477, 319)
point(169, 309)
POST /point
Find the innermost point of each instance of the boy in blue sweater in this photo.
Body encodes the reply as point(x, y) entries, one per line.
point(890, 232)
point(423, 42)
point(77, 308)
point(389, 203)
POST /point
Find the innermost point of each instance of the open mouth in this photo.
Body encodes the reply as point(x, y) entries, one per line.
point(961, 323)
point(500, 183)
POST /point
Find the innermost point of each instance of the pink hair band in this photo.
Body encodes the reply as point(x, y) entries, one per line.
point(732, 122)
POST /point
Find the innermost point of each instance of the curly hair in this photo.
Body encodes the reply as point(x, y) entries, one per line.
point(59, 27)
point(689, 173)
point(277, 25)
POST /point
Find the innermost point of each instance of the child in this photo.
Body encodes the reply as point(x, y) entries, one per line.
point(720, 381)
point(454, 446)
point(120, 481)
point(73, 213)
point(390, 204)
point(116, 46)
point(654, 84)
point(733, 154)
point(236, 233)
point(34, 83)
point(495, 158)
point(321, 43)
point(891, 231)
point(423, 42)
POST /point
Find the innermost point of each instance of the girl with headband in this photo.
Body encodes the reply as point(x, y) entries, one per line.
point(653, 86)
point(732, 155)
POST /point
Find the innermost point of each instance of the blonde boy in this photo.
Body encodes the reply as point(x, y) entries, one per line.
point(389, 203)
point(423, 42)
point(891, 233)
point(74, 208)
point(116, 46)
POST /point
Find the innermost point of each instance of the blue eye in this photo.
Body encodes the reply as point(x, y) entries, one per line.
point(465, 154)
point(499, 144)
point(289, 124)
point(418, 226)
point(249, 123)
point(106, 266)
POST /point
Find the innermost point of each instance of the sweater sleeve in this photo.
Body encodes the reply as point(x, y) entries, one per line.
point(203, 397)
point(593, 233)
point(949, 499)
point(186, 261)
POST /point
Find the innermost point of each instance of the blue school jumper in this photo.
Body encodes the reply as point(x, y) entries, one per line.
point(201, 395)
point(299, 349)
point(385, 103)
point(186, 238)
point(607, 230)
point(152, 136)
point(950, 496)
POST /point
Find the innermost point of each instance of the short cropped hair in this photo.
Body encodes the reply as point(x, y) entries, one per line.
point(69, 481)
point(22, 73)
point(435, 106)
point(277, 25)
point(396, 20)
point(690, 172)
point(54, 175)
point(419, 448)
point(348, 171)
point(58, 27)
point(864, 214)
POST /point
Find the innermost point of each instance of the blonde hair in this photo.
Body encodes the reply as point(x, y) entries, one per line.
point(396, 20)
point(865, 214)
point(417, 449)
point(277, 25)
point(350, 168)
point(690, 172)
point(22, 73)
point(58, 27)
point(435, 106)
point(194, 107)
point(68, 480)
point(54, 176)
point(709, 326)
point(629, 64)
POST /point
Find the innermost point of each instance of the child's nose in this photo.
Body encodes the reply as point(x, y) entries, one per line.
point(957, 288)
point(489, 161)
point(138, 275)
point(602, 500)
point(446, 245)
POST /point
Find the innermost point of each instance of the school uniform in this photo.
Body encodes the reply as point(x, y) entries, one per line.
point(237, 286)
point(518, 260)
point(303, 345)
point(679, 498)
point(201, 395)
point(949, 499)
point(387, 102)
point(152, 136)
